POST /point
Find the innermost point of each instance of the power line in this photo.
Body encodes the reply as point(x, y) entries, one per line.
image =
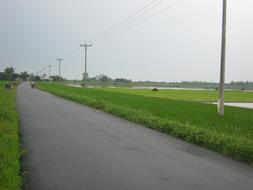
point(223, 59)
point(60, 59)
point(116, 29)
point(140, 22)
point(129, 19)
point(122, 21)
point(85, 75)
point(49, 71)
point(44, 72)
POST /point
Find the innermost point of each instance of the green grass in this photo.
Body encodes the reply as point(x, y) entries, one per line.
point(189, 95)
point(192, 121)
point(9, 141)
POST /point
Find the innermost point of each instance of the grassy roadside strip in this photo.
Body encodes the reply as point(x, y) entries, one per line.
point(239, 148)
point(10, 178)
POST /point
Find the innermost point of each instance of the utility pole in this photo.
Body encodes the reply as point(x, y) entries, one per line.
point(59, 66)
point(85, 74)
point(44, 72)
point(223, 59)
point(49, 71)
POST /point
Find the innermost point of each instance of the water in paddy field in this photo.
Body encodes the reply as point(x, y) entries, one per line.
point(238, 104)
point(181, 88)
point(142, 87)
point(79, 86)
point(234, 104)
point(167, 88)
point(75, 85)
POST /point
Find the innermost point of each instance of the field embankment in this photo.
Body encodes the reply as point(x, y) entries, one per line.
point(9, 141)
point(192, 121)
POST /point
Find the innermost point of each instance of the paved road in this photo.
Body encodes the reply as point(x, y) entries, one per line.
point(73, 147)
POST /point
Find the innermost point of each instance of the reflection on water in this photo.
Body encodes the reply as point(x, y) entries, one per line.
point(239, 104)
point(167, 88)
point(141, 87)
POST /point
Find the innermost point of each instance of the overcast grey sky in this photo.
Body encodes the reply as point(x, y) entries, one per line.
point(181, 43)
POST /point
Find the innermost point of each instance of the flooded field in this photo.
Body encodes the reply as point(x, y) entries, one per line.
point(239, 104)
point(167, 88)
point(243, 99)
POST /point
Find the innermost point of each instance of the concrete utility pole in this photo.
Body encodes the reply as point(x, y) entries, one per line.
point(59, 66)
point(223, 58)
point(85, 75)
point(49, 71)
point(44, 72)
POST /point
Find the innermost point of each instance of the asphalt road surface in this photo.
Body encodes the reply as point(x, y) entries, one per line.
point(73, 147)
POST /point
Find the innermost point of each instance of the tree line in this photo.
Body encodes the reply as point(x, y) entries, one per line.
point(9, 74)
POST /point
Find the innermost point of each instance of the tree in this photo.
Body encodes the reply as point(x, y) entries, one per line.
point(57, 78)
point(36, 78)
point(9, 73)
point(105, 79)
point(2, 76)
point(24, 75)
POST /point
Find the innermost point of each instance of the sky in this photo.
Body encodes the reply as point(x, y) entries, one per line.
point(181, 43)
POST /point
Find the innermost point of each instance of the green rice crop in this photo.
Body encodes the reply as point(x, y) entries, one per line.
point(189, 95)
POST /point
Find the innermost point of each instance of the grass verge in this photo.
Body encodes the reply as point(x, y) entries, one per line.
point(9, 141)
point(194, 122)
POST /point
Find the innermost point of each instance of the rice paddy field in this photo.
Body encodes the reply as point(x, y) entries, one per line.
point(9, 141)
point(189, 95)
point(176, 112)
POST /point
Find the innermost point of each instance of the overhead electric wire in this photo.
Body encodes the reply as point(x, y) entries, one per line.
point(123, 21)
point(142, 21)
point(116, 30)
point(129, 19)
